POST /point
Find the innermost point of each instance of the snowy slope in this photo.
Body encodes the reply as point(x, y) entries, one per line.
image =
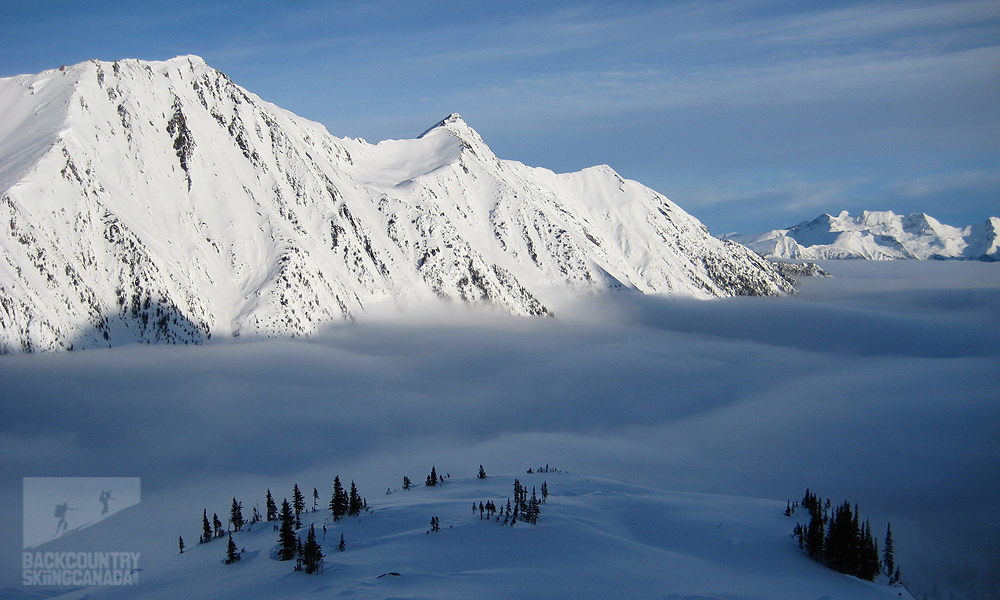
point(595, 538)
point(877, 235)
point(160, 202)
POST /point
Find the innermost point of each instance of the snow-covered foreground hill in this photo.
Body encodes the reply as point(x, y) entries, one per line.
point(161, 202)
point(877, 235)
point(595, 538)
point(877, 385)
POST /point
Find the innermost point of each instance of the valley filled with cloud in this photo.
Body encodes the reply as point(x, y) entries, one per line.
point(877, 385)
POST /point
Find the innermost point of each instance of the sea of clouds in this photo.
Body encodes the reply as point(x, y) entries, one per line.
point(878, 385)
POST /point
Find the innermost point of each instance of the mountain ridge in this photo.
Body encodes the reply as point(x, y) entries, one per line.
point(161, 202)
point(680, 545)
point(877, 235)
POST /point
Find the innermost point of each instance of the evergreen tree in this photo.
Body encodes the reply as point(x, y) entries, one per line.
point(354, 502)
point(841, 540)
point(855, 546)
point(869, 566)
point(482, 473)
point(206, 527)
point(810, 502)
point(286, 536)
point(435, 524)
point(219, 532)
point(520, 496)
point(888, 560)
point(432, 479)
point(340, 502)
point(298, 553)
point(256, 516)
point(272, 508)
point(406, 482)
point(545, 488)
point(180, 543)
point(236, 515)
point(299, 504)
point(232, 555)
point(342, 546)
point(814, 531)
point(315, 499)
point(312, 553)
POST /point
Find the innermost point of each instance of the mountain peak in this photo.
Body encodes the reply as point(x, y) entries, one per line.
point(453, 122)
point(187, 58)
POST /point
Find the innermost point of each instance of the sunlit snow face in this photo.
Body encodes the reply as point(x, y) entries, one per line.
point(877, 385)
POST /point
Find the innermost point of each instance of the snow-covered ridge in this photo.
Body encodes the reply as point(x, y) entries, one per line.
point(677, 545)
point(877, 235)
point(161, 202)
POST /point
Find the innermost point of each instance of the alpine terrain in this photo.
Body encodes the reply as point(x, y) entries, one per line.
point(580, 537)
point(161, 202)
point(877, 235)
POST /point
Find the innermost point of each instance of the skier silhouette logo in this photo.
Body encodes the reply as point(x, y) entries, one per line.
point(105, 497)
point(60, 513)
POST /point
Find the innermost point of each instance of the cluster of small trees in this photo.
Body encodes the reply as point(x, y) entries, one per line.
point(433, 479)
point(544, 469)
point(346, 503)
point(523, 508)
point(839, 539)
point(308, 553)
point(210, 531)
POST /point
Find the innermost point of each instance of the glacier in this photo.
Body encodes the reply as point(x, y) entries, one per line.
point(159, 202)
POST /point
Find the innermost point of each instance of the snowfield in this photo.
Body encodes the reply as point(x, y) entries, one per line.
point(596, 538)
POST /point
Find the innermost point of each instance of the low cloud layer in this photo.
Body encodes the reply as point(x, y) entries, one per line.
point(877, 386)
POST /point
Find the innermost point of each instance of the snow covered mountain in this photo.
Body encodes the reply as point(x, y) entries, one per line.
point(877, 235)
point(160, 202)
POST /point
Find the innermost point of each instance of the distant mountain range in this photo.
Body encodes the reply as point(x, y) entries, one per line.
point(161, 202)
point(877, 235)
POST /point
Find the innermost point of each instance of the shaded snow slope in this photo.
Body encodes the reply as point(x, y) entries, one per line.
point(160, 202)
point(877, 235)
point(595, 538)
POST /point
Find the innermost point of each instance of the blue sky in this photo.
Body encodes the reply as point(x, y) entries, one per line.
point(750, 115)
